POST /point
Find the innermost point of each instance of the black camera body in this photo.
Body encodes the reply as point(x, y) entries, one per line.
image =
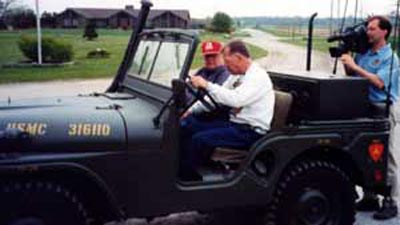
point(353, 39)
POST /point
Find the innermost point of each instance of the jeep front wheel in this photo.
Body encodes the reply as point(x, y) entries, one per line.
point(313, 193)
point(40, 203)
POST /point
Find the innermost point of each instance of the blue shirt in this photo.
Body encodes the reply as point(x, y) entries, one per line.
point(216, 76)
point(379, 63)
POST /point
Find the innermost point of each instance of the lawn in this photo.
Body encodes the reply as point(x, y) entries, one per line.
point(299, 37)
point(114, 41)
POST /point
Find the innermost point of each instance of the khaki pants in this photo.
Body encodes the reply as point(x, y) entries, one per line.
point(394, 151)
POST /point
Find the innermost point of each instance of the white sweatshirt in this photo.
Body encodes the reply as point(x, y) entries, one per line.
point(250, 95)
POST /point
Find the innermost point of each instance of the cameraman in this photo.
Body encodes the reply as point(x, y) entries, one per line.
point(375, 65)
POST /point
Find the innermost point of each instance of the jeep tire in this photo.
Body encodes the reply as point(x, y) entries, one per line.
point(40, 203)
point(313, 193)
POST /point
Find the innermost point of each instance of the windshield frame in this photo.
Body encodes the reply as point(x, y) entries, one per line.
point(153, 89)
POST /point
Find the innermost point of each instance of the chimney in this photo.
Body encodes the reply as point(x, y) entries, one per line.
point(129, 7)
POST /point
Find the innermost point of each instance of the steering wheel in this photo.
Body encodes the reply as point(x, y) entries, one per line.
point(200, 94)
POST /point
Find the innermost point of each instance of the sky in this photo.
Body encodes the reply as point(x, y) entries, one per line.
point(235, 8)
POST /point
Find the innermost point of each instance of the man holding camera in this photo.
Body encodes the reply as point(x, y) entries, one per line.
point(377, 66)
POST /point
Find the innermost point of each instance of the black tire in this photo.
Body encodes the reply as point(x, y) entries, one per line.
point(313, 193)
point(40, 203)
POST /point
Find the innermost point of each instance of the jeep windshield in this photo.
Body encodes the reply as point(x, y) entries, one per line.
point(160, 57)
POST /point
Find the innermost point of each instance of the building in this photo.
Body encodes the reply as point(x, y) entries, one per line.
point(200, 23)
point(122, 18)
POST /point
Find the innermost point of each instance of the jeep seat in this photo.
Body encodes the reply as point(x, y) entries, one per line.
point(283, 103)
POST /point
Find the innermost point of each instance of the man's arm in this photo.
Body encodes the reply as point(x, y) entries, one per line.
point(348, 71)
point(199, 107)
point(373, 78)
point(351, 65)
point(241, 96)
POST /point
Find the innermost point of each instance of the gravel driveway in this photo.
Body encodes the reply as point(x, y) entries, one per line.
point(283, 56)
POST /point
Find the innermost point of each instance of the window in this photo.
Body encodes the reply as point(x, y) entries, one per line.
point(67, 22)
point(159, 62)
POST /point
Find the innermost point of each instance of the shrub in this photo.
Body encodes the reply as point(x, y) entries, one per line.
point(98, 54)
point(90, 31)
point(53, 51)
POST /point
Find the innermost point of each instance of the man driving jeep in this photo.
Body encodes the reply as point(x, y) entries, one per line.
point(248, 91)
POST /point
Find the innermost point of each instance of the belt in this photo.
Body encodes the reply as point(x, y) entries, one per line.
point(258, 130)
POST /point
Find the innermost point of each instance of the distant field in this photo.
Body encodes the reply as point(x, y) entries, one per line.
point(289, 31)
point(298, 36)
point(114, 41)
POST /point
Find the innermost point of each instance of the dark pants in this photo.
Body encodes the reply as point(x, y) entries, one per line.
point(200, 138)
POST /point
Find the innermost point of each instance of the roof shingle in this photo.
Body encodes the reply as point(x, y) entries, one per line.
point(103, 13)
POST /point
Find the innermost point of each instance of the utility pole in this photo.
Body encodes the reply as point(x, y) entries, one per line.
point(331, 19)
point(338, 13)
point(39, 33)
point(356, 13)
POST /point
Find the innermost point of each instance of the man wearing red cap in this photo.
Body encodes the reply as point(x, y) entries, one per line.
point(214, 69)
point(249, 94)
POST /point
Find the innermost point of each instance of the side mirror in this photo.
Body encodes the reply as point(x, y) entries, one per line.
point(179, 92)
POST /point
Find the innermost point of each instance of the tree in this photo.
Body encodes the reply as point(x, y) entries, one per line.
point(6, 5)
point(222, 23)
point(5, 8)
point(90, 31)
point(49, 20)
point(20, 18)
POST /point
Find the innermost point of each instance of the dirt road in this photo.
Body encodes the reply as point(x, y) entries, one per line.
point(283, 56)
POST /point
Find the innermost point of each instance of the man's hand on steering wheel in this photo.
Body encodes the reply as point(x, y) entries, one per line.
point(198, 82)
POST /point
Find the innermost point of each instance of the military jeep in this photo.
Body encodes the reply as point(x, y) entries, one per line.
point(91, 159)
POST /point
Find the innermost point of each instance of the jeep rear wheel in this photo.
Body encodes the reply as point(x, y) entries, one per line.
point(313, 193)
point(39, 203)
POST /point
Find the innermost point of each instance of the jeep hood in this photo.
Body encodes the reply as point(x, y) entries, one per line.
point(73, 124)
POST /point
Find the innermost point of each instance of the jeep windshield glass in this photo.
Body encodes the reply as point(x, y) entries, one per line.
point(159, 61)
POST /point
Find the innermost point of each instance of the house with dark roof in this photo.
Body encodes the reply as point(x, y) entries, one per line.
point(122, 18)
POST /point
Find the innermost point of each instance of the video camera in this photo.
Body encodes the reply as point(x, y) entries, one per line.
point(353, 39)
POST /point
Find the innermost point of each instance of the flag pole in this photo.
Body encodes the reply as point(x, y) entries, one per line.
point(39, 33)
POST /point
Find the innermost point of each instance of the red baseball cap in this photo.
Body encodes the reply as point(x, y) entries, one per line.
point(211, 48)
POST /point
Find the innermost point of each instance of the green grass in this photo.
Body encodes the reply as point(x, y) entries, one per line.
point(319, 44)
point(300, 39)
point(114, 41)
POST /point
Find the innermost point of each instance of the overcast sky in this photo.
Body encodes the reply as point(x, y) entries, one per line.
point(236, 8)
